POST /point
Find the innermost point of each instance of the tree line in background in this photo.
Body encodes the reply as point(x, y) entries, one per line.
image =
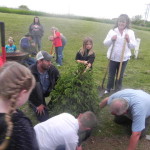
point(23, 9)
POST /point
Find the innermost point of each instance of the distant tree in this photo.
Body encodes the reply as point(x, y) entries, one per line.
point(24, 7)
point(137, 20)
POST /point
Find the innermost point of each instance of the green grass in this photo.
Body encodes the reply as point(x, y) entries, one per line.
point(137, 72)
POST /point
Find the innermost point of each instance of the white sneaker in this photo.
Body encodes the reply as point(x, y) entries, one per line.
point(106, 92)
point(147, 137)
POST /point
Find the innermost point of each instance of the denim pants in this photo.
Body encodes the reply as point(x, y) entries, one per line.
point(37, 40)
point(58, 55)
point(113, 71)
point(28, 61)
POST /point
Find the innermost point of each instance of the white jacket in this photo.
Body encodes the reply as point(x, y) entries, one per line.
point(118, 45)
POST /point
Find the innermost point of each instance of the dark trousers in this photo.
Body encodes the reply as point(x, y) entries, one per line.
point(37, 40)
point(123, 120)
point(61, 147)
point(113, 72)
point(28, 61)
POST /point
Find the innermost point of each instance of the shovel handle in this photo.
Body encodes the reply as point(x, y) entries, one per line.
point(2, 30)
point(108, 65)
point(120, 66)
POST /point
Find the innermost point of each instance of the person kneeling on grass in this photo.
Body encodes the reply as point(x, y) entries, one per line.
point(46, 76)
point(86, 54)
point(27, 45)
point(130, 107)
point(64, 131)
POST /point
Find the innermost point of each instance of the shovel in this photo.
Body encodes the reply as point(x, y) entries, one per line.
point(101, 88)
point(120, 66)
point(52, 50)
point(3, 55)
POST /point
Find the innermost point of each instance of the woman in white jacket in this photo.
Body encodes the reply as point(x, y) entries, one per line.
point(120, 41)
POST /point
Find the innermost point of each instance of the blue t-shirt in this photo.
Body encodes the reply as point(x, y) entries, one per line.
point(44, 78)
point(139, 106)
point(10, 49)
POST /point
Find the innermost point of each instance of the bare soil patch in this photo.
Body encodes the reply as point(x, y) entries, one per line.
point(113, 143)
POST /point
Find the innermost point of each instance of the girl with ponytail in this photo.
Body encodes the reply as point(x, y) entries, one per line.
point(16, 130)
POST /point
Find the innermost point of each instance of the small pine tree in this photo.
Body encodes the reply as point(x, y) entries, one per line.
point(74, 93)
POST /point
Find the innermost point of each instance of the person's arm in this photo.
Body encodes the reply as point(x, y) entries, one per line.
point(134, 140)
point(109, 38)
point(56, 34)
point(130, 38)
point(78, 59)
point(103, 103)
point(82, 62)
point(88, 66)
point(79, 148)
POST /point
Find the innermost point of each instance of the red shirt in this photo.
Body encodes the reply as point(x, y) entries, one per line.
point(57, 40)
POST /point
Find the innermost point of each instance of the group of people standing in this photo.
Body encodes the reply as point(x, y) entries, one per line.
point(64, 131)
point(32, 42)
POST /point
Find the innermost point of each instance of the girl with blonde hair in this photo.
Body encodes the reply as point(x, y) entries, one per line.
point(10, 47)
point(86, 54)
point(16, 130)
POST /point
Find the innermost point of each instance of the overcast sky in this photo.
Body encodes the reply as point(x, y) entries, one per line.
point(92, 8)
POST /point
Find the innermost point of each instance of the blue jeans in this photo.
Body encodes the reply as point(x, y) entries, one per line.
point(29, 61)
point(37, 40)
point(58, 55)
point(113, 71)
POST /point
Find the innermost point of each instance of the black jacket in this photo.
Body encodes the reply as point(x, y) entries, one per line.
point(37, 98)
point(23, 135)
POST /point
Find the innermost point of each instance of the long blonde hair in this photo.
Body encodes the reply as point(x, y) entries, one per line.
point(83, 49)
point(14, 78)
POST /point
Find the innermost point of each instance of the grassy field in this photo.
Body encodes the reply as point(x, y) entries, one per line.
point(137, 72)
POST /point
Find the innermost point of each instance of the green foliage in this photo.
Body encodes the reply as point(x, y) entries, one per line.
point(24, 10)
point(137, 20)
point(75, 92)
point(137, 74)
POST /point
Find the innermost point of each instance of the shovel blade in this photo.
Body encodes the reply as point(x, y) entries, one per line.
point(101, 91)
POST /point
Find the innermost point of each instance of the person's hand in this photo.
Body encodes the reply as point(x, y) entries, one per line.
point(127, 38)
point(79, 148)
point(33, 44)
point(85, 62)
point(40, 109)
point(51, 38)
point(114, 38)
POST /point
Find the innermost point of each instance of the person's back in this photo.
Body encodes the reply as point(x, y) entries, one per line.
point(63, 39)
point(27, 46)
point(59, 130)
point(138, 100)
